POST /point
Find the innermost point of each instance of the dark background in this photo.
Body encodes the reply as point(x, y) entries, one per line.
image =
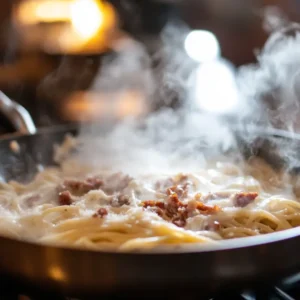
point(236, 23)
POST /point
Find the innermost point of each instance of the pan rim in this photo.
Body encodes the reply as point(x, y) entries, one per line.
point(265, 240)
point(279, 133)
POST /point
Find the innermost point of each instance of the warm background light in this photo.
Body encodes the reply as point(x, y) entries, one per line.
point(34, 11)
point(72, 26)
point(93, 105)
point(86, 18)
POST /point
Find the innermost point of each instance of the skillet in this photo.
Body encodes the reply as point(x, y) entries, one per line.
point(74, 272)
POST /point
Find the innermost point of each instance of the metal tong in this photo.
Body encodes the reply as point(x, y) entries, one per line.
point(18, 116)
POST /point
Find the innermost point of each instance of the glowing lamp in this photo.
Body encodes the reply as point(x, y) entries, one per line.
point(69, 26)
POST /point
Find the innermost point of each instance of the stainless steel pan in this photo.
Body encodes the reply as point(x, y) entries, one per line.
point(80, 272)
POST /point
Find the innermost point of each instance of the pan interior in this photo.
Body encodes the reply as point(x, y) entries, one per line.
point(36, 151)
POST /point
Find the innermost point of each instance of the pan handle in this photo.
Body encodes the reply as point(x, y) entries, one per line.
point(17, 115)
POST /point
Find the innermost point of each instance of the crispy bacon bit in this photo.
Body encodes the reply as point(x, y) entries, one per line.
point(101, 212)
point(173, 205)
point(152, 203)
point(207, 209)
point(195, 207)
point(95, 182)
point(112, 184)
point(176, 211)
point(65, 198)
point(176, 189)
point(81, 187)
point(157, 210)
point(119, 200)
point(171, 186)
point(155, 206)
point(244, 198)
point(180, 190)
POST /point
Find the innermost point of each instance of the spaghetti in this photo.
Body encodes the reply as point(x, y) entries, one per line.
point(74, 207)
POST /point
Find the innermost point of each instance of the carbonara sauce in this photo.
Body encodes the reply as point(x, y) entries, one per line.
point(103, 210)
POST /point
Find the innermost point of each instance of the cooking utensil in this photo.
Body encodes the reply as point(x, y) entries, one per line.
point(18, 116)
point(80, 272)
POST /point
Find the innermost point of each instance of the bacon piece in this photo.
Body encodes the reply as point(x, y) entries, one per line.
point(173, 205)
point(180, 190)
point(153, 203)
point(157, 210)
point(194, 207)
point(207, 209)
point(81, 187)
point(176, 211)
point(244, 198)
point(65, 198)
point(175, 189)
point(95, 182)
point(119, 200)
point(156, 206)
point(112, 184)
point(170, 186)
point(101, 212)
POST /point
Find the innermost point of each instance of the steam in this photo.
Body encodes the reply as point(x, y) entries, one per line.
point(173, 68)
point(128, 68)
point(182, 139)
point(177, 139)
point(158, 70)
point(274, 19)
point(167, 141)
point(269, 89)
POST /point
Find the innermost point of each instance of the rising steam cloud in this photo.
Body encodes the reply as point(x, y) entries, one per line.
point(270, 88)
point(180, 139)
point(270, 91)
